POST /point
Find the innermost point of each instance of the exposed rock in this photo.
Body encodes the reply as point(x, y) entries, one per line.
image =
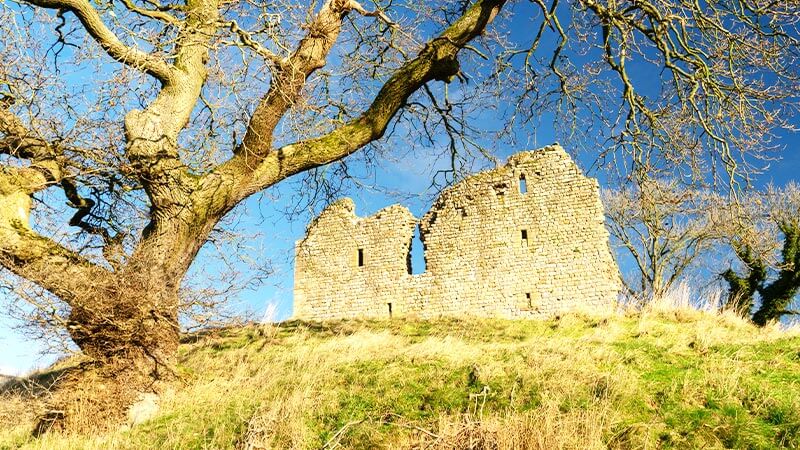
point(145, 408)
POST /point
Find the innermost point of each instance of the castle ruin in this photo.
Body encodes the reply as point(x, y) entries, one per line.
point(523, 240)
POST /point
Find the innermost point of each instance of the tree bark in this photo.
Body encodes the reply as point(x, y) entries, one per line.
point(127, 327)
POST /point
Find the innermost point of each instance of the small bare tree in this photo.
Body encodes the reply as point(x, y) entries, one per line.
point(664, 227)
point(129, 129)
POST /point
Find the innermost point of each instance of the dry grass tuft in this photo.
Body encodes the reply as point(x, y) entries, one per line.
point(546, 428)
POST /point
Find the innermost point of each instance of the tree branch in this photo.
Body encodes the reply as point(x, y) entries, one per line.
point(18, 141)
point(29, 255)
point(45, 170)
point(163, 16)
point(59, 270)
point(355, 6)
point(93, 23)
point(437, 61)
point(289, 78)
point(247, 40)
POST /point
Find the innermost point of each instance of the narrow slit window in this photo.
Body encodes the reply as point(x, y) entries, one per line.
point(361, 257)
point(528, 299)
point(390, 310)
point(523, 184)
point(524, 237)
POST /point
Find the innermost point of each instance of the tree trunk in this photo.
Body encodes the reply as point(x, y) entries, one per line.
point(128, 328)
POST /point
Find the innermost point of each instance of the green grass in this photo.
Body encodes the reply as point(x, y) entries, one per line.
point(679, 379)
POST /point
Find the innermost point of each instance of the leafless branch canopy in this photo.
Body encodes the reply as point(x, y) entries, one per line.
point(665, 228)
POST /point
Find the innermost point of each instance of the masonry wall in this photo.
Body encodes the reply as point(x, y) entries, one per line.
point(526, 239)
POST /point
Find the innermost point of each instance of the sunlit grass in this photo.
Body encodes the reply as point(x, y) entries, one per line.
point(666, 377)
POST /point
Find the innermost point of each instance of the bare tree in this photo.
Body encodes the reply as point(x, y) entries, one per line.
point(152, 121)
point(764, 232)
point(664, 227)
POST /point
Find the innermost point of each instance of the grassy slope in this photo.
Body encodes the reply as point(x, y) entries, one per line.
point(678, 379)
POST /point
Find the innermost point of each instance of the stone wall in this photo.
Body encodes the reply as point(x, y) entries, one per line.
point(526, 239)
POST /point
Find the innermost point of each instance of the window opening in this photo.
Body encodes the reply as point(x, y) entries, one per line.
point(528, 298)
point(524, 237)
point(523, 184)
point(390, 310)
point(361, 257)
point(416, 254)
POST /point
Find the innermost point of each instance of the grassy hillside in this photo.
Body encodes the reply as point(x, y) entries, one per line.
point(674, 379)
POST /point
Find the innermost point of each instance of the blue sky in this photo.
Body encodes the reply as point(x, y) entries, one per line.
point(407, 175)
